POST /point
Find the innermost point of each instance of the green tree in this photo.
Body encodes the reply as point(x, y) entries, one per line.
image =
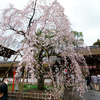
point(79, 38)
point(97, 42)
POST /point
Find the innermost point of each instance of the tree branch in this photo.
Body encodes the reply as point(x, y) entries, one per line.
point(30, 21)
point(19, 32)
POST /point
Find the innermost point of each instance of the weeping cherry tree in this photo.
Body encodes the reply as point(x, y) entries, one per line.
point(44, 28)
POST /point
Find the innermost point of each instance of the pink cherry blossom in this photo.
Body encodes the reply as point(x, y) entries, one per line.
point(44, 26)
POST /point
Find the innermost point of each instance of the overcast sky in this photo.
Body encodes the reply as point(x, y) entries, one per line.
point(84, 16)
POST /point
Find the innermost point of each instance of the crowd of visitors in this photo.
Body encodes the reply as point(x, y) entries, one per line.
point(95, 79)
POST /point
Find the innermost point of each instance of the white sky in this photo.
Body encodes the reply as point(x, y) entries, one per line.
point(84, 16)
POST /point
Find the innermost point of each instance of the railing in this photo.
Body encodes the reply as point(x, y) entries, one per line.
point(33, 96)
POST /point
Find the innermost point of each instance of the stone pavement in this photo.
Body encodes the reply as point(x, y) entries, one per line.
point(89, 95)
point(92, 95)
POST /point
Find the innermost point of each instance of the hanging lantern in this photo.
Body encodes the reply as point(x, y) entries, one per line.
point(65, 71)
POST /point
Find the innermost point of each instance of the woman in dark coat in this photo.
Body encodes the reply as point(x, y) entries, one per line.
point(88, 81)
point(3, 91)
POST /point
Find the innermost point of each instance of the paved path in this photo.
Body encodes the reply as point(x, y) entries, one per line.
point(92, 95)
point(89, 95)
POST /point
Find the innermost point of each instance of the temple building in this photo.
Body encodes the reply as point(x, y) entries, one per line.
point(4, 65)
point(93, 61)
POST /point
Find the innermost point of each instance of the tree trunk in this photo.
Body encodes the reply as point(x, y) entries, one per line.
point(22, 86)
point(40, 82)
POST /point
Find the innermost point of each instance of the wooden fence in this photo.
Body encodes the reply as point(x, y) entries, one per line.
point(37, 96)
point(32, 96)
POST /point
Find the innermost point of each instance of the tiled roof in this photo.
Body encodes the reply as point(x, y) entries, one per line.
point(6, 52)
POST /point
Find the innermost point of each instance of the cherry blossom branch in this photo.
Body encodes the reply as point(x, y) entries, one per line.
point(30, 21)
point(18, 32)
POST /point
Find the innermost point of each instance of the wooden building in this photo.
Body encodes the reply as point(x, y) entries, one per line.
point(93, 60)
point(6, 53)
point(4, 65)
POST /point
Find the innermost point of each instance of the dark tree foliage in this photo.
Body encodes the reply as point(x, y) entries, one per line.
point(97, 42)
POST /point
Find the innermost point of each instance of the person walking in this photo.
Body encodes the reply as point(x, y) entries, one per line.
point(94, 80)
point(98, 77)
point(88, 81)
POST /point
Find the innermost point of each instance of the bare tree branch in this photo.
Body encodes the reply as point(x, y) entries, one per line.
point(19, 32)
point(30, 21)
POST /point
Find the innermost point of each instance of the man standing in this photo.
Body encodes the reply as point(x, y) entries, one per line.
point(94, 80)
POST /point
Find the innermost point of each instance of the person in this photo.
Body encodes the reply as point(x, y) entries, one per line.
point(3, 91)
point(88, 81)
point(95, 82)
point(16, 84)
point(98, 77)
